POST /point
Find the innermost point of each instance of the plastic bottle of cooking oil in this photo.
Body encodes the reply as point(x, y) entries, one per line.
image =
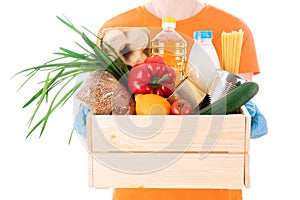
point(170, 45)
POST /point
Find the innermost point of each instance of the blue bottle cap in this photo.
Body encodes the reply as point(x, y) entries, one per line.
point(203, 34)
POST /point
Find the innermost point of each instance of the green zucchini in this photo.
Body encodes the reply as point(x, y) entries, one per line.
point(233, 100)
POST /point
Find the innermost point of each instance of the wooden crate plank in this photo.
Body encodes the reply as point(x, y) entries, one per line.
point(91, 170)
point(89, 132)
point(224, 133)
point(215, 171)
point(247, 171)
point(247, 128)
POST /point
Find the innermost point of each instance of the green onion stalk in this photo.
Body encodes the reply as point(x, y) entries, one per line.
point(61, 71)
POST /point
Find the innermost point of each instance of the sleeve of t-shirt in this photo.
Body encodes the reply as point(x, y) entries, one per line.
point(248, 60)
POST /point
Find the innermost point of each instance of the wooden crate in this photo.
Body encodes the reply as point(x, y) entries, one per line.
point(205, 151)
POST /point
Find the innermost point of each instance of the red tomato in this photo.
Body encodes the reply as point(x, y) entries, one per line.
point(181, 107)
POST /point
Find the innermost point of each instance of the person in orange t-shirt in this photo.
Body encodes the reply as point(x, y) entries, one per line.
point(191, 16)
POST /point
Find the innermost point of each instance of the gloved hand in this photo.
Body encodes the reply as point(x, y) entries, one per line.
point(259, 125)
point(80, 120)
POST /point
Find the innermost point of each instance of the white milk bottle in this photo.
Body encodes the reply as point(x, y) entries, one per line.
point(203, 60)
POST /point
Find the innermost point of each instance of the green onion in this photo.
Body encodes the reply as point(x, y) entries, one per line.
point(61, 72)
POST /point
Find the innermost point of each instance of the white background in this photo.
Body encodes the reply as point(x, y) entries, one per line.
point(49, 168)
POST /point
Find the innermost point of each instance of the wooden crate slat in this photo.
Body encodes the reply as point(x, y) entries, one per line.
point(215, 171)
point(227, 136)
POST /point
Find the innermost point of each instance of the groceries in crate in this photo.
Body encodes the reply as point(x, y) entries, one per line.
point(151, 85)
point(127, 81)
point(200, 85)
point(203, 86)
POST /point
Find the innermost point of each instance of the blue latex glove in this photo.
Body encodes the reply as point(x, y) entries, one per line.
point(259, 125)
point(80, 120)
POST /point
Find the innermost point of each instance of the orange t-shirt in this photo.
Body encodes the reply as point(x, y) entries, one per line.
point(209, 18)
point(175, 194)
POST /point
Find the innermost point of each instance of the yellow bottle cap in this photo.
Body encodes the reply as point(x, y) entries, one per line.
point(168, 19)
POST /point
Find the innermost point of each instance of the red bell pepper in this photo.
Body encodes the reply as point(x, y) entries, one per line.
point(152, 76)
point(155, 59)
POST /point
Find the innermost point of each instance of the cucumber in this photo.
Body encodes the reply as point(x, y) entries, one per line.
point(233, 100)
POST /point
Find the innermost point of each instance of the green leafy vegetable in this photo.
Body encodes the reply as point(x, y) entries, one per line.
point(61, 72)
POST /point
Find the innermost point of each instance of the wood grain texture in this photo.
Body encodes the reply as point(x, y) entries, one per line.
point(169, 151)
point(247, 171)
point(215, 171)
point(175, 133)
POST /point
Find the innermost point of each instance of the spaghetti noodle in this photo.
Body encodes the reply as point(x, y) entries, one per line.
point(231, 50)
